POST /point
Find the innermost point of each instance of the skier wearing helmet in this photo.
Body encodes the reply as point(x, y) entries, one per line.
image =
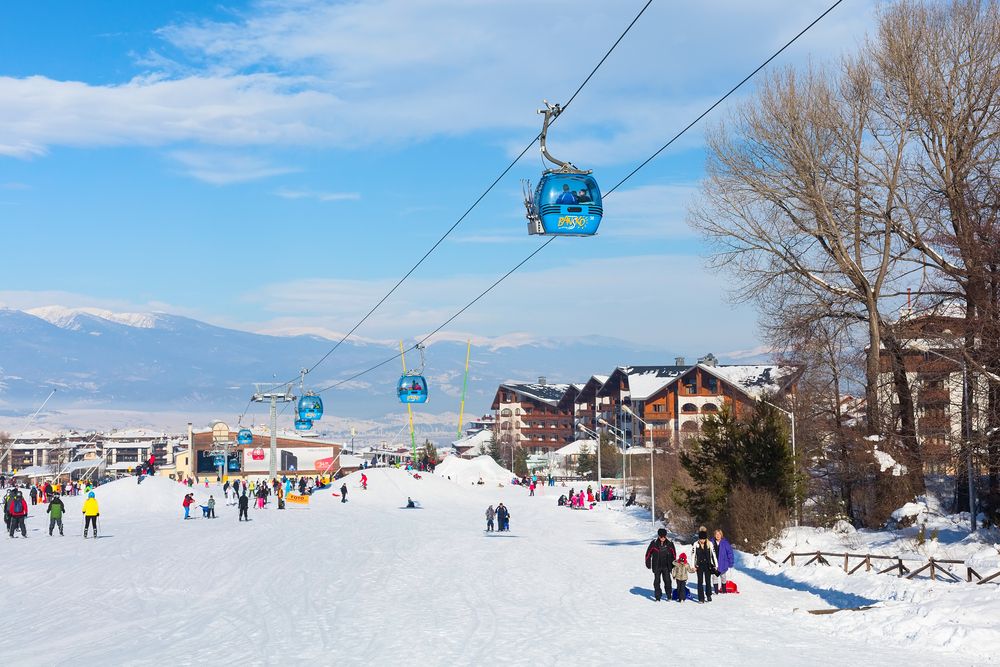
point(90, 514)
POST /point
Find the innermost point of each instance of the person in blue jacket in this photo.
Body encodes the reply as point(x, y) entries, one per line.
point(725, 557)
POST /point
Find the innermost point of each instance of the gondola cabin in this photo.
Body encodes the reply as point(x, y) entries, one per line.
point(566, 204)
point(303, 424)
point(310, 407)
point(412, 389)
point(244, 437)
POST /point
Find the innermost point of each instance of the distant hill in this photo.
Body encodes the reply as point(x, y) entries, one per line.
point(158, 362)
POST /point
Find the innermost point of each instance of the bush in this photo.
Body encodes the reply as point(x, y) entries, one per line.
point(753, 517)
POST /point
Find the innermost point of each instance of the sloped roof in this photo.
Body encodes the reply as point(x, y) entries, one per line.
point(550, 394)
point(754, 380)
point(644, 381)
point(573, 448)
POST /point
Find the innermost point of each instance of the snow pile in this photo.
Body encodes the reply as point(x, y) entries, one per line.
point(467, 472)
point(886, 462)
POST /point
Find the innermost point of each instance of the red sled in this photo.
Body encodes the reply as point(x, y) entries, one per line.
point(335, 494)
point(731, 587)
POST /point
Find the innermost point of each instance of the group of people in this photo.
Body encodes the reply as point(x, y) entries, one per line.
point(710, 562)
point(15, 510)
point(501, 515)
point(261, 491)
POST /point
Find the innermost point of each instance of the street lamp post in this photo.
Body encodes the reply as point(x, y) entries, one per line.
point(597, 439)
point(795, 460)
point(621, 438)
point(652, 478)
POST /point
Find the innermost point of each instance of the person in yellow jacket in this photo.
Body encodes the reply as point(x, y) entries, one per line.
point(90, 513)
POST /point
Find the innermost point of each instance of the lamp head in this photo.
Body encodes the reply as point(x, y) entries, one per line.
point(627, 410)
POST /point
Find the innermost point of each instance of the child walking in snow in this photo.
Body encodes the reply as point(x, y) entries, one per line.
point(681, 572)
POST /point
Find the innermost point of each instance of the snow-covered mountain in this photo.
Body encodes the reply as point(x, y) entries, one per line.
point(159, 362)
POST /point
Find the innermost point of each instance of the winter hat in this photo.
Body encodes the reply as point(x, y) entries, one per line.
point(90, 495)
point(683, 558)
point(662, 532)
point(703, 533)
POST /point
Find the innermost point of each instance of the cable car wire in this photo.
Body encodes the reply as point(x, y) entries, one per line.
point(475, 203)
point(643, 164)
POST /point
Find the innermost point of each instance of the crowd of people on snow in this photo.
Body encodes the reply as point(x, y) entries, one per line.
point(710, 562)
point(15, 505)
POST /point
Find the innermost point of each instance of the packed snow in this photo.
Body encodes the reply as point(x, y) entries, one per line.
point(369, 582)
point(471, 471)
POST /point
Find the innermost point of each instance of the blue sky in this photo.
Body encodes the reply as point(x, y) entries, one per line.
point(277, 165)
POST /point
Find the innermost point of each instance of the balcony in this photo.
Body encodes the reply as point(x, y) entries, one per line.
point(931, 396)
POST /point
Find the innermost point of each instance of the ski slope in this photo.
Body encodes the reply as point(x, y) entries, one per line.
point(367, 582)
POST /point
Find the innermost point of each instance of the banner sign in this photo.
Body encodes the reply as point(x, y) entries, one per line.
point(296, 499)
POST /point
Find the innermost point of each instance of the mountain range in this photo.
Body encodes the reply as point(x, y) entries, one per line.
point(158, 362)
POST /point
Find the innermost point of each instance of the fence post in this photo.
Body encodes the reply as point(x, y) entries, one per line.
point(899, 561)
point(793, 558)
point(868, 563)
point(933, 574)
point(846, 556)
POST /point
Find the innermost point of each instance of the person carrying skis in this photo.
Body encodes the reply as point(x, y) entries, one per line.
point(490, 515)
point(343, 492)
point(90, 513)
point(660, 556)
point(244, 505)
point(704, 564)
point(186, 504)
point(17, 508)
point(724, 557)
point(55, 511)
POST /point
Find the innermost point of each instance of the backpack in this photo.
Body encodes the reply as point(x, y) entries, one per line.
point(18, 506)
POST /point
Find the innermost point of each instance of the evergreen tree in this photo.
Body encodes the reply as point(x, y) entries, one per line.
point(586, 465)
point(430, 452)
point(493, 450)
point(521, 462)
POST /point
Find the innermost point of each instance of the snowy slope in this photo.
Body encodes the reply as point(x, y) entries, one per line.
point(367, 582)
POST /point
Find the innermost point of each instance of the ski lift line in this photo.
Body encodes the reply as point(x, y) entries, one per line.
point(724, 97)
point(27, 423)
point(443, 324)
point(479, 199)
point(643, 164)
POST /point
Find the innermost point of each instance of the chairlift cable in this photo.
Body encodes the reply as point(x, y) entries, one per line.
point(643, 164)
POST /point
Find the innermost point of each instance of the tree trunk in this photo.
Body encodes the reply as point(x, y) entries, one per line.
point(905, 415)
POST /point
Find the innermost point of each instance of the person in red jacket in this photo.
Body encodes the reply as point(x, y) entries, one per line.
point(188, 501)
point(17, 508)
point(151, 464)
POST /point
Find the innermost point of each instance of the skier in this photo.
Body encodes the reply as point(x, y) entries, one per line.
point(17, 508)
point(90, 514)
point(244, 507)
point(225, 490)
point(364, 482)
point(9, 496)
point(681, 571)
point(186, 504)
point(55, 511)
point(490, 514)
point(302, 486)
point(34, 494)
point(211, 507)
point(660, 556)
point(724, 557)
point(704, 564)
point(343, 492)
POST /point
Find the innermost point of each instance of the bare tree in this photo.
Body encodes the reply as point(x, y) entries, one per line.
point(799, 202)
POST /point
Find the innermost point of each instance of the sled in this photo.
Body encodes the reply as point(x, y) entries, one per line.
point(335, 494)
point(693, 596)
point(731, 587)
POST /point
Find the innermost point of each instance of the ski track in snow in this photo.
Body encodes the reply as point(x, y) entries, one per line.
point(368, 582)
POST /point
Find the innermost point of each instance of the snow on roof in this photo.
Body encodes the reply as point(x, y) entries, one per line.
point(475, 443)
point(754, 381)
point(546, 393)
point(644, 381)
point(37, 434)
point(573, 448)
point(42, 445)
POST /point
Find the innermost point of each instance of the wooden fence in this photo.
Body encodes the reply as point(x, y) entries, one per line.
point(934, 567)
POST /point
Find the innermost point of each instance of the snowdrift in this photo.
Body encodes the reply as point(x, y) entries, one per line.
point(468, 472)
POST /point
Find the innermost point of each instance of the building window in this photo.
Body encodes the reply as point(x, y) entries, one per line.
point(691, 386)
point(505, 412)
point(710, 407)
point(689, 407)
point(659, 407)
point(712, 384)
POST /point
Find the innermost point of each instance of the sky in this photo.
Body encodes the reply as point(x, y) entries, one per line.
point(277, 165)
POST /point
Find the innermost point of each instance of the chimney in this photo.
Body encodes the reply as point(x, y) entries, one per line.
point(541, 380)
point(679, 361)
point(709, 360)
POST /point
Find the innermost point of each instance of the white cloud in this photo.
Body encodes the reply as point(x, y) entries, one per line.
point(649, 299)
point(226, 168)
point(334, 74)
point(14, 186)
point(305, 193)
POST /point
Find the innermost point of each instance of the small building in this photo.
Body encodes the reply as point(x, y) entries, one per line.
point(297, 455)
